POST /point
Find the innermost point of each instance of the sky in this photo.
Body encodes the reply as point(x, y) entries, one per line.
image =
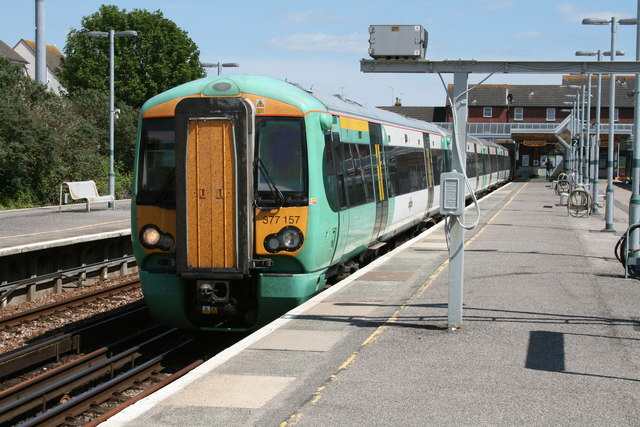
point(319, 45)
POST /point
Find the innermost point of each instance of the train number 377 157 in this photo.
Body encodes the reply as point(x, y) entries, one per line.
point(281, 219)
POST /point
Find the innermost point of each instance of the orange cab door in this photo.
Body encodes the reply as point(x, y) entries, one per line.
point(214, 187)
point(211, 201)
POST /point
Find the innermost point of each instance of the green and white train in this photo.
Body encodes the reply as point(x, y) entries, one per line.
point(250, 192)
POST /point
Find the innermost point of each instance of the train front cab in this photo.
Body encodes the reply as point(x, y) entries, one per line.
point(206, 235)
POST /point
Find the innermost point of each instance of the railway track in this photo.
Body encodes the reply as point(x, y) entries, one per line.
point(83, 376)
point(16, 363)
point(94, 380)
point(46, 310)
point(90, 382)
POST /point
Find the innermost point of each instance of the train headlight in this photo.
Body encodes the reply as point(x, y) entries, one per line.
point(272, 243)
point(288, 239)
point(152, 237)
point(291, 238)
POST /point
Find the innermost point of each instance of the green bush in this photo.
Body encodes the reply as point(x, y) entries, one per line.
point(46, 139)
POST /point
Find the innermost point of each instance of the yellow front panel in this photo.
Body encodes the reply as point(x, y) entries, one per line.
point(211, 205)
point(272, 107)
point(166, 109)
point(164, 219)
point(272, 221)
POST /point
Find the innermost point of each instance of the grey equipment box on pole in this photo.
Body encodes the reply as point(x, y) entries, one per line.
point(397, 41)
point(451, 193)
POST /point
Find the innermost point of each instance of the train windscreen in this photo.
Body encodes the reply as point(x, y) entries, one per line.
point(281, 163)
point(157, 167)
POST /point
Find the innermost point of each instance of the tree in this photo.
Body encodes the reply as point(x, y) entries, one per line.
point(46, 139)
point(162, 56)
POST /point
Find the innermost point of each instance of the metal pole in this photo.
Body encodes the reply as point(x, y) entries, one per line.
point(575, 168)
point(41, 48)
point(610, 152)
point(112, 174)
point(589, 140)
point(580, 113)
point(634, 202)
point(584, 141)
point(596, 143)
point(456, 236)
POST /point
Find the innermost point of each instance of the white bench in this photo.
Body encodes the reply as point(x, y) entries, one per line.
point(86, 190)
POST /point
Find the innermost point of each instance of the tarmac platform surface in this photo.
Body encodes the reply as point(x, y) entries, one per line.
point(550, 336)
point(25, 230)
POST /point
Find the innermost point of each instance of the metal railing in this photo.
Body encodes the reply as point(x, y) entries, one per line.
point(504, 130)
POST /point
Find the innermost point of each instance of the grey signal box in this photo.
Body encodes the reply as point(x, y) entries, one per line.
point(397, 41)
point(451, 193)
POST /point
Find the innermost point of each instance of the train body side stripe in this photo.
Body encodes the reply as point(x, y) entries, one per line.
point(354, 124)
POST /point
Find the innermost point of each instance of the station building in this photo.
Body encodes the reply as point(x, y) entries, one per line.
point(528, 118)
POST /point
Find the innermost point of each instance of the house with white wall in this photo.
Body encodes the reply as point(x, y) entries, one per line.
point(27, 50)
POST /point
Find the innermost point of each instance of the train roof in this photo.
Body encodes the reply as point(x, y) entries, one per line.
point(339, 105)
point(305, 100)
point(240, 83)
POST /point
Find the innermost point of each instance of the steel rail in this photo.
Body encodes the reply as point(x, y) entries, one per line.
point(145, 393)
point(56, 389)
point(45, 310)
point(32, 385)
point(52, 349)
point(48, 377)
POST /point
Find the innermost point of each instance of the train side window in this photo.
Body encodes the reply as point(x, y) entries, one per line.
point(329, 174)
point(282, 151)
point(354, 175)
point(157, 165)
point(447, 161)
point(392, 170)
point(411, 171)
point(379, 169)
point(427, 151)
point(333, 173)
point(437, 163)
point(472, 162)
point(337, 152)
point(366, 171)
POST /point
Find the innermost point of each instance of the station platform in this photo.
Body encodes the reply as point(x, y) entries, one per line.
point(25, 230)
point(550, 336)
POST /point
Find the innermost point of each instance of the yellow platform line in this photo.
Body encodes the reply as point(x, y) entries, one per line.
point(317, 395)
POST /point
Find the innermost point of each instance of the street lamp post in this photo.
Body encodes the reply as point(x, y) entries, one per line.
point(218, 65)
point(112, 111)
point(595, 181)
point(612, 88)
point(584, 140)
point(634, 202)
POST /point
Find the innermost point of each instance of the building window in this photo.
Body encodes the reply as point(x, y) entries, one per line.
point(616, 115)
point(487, 112)
point(551, 114)
point(518, 113)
